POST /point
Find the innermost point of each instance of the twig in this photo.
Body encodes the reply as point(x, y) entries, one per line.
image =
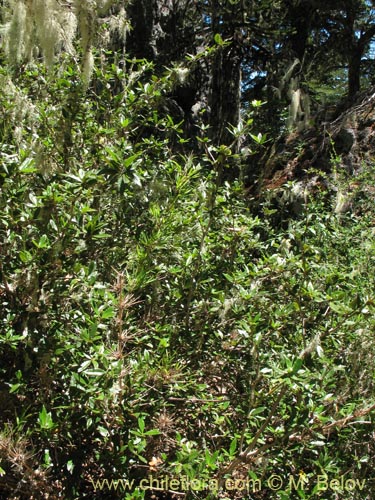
point(198, 400)
point(249, 451)
point(347, 420)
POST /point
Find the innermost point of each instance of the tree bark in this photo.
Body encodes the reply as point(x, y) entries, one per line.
point(354, 75)
point(225, 91)
point(354, 67)
point(225, 94)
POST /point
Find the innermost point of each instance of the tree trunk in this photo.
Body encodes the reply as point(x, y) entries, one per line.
point(354, 75)
point(354, 70)
point(224, 98)
point(225, 94)
point(142, 39)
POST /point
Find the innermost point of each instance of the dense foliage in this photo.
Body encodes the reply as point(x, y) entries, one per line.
point(162, 333)
point(153, 324)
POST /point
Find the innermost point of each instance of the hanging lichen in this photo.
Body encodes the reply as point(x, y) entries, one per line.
point(19, 110)
point(119, 24)
point(299, 107)
point(37, 27)
point(85, 13)
point(44, 28)
point(14, 32)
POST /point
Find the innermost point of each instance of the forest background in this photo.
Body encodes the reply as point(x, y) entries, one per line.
point(181, 317)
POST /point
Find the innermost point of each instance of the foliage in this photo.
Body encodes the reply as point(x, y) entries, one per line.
point(291, 54)
point(152, 325)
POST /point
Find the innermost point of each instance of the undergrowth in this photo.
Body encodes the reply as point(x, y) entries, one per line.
point(154, 329)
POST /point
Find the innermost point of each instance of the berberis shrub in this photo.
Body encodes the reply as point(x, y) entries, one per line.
point(157, 336)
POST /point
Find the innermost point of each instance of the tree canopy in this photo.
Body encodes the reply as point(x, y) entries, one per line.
point(287, 53)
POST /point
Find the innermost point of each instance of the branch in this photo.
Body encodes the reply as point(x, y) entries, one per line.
point(347, 420)
point(250, 451)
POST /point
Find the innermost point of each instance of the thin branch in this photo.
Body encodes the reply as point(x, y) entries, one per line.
point(250, 450)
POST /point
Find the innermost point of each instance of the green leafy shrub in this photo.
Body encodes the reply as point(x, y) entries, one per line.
point(153, 325)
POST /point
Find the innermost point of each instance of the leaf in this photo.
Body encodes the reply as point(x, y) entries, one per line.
point(28, 166)
point(45, 419)
point(136, 180)
point(340, 308)
point(130, 160)
point(141, 424)
point(233, 446)
point(113, 155)
point(319, 351)
point(257, 411)
point(84, 365)
point(70, 466)
point(94, 373)
point(266, 370)
point(33, 198)
point(297, 365)
point(43, 242)
point(259, 138)
point(108, 313)
point(101, 236)
point(103, 431)
point(218, 39)
point(318, 443)
point(14, 388)
point(25, 256)
point(152, 432)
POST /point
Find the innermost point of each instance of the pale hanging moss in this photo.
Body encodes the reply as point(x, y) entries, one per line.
point(295, 105)
point(46, 27)
point(119, 24)
point(287, 77)
point(87, 66)
point(29, 33)
point(38, 27)
point(294, 94)
point(69, 29)
point(15, 32)
point(117, 27)
point(85, 13)
point(20, 113)
point(299, 108)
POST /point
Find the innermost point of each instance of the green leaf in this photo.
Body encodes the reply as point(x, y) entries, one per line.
point(26, 256)
point(131, 160)
point(218, 39)
point(152, 432)
point(108, 313)
point(45, 419)
point(103, 431)
point(70, 466)
point(297, 365)
point(14, 388)
point(43, 242)
point(259, 138)
point(141, 424)
point(233, 447)
point(257, 411)
point(28, 166)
